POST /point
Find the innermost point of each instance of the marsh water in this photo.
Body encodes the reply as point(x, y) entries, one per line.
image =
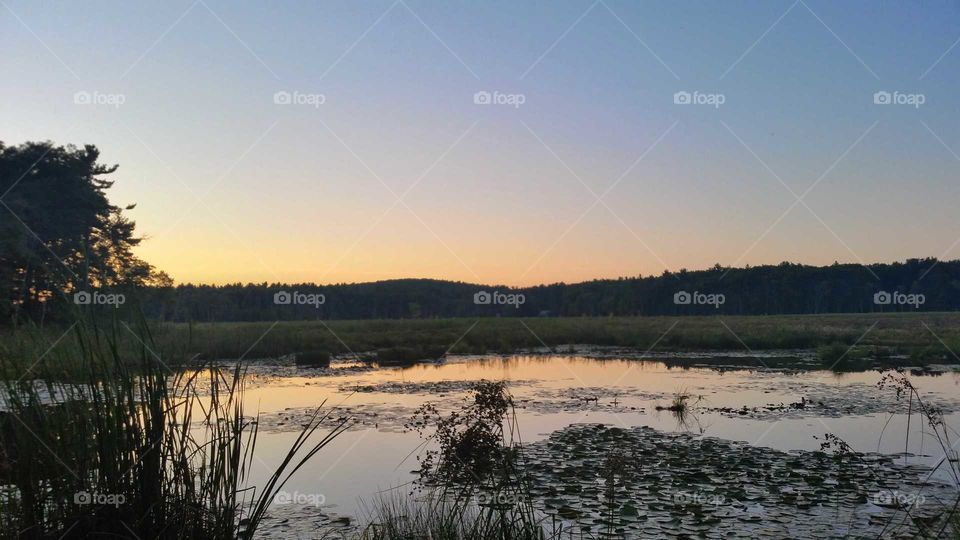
point(760, 404)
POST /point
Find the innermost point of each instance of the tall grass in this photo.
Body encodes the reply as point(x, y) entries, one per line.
point(128, 446)
point(438, 515)
point(904, 333)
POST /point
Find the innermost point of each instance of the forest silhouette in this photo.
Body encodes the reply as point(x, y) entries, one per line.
point(59, 234)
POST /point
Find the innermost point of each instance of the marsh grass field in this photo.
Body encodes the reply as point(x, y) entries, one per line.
point(926, 337)
point(886, 338)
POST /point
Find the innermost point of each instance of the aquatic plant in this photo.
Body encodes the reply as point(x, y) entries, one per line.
point(947, 523)
point(473, 485)
point(312, 358)
point(402, 356)
point(668, 485)
point(683, 406)
point(472, 444)
point(435, 515)
point(841, 356)
point(680, 403)
point(130, 446)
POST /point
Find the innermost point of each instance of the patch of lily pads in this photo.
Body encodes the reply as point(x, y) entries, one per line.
point(448, 395)
point(438, 388)
point(642, 483)
point(528, 395)
point(305, 521)
point(362, 416)
point(825, 400)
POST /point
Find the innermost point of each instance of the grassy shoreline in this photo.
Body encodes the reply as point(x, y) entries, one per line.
point(922, 338)
point(926, 336)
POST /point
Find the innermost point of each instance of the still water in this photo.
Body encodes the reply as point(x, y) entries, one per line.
point(783, 408)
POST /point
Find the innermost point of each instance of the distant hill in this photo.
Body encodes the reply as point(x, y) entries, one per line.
point(786, 288)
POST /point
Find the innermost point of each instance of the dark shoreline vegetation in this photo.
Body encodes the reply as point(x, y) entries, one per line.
point(920, 285)
point(786, 288)
point(896, 338)
point(836, 341)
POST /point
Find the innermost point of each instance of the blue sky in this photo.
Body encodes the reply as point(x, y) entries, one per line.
point(231, 186)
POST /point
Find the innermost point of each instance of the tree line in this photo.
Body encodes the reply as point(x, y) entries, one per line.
point(786, 288)
point(63, 243)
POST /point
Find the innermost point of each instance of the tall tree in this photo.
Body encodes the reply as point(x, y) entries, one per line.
point(58, 230)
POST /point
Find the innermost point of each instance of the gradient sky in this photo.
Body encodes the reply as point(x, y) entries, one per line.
point(232, 187)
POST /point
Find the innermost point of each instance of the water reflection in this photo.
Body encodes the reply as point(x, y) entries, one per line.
point(747, 403)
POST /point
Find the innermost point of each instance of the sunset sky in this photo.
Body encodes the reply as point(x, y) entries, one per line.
point(232, 186)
